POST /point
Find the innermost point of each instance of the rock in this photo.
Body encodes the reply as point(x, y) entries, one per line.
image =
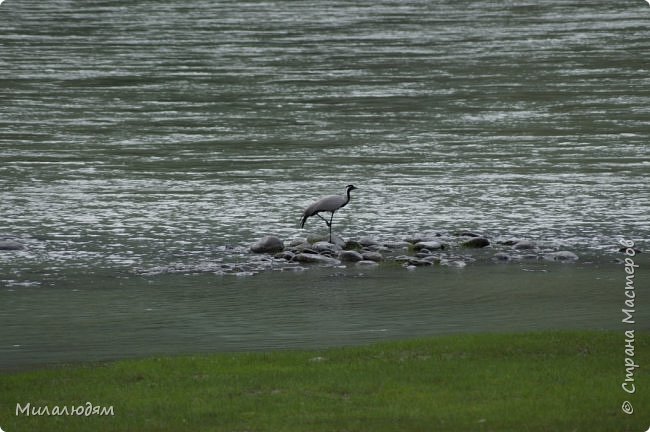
point(298, 241)
point(350, 256)
point(432, 259)
point(524, 244)
point(397, 244)
point(352, 244)
point(476, 242)
point(267, 244)
point(8, 244)
point(430, 245)
point(323, 246)
point(368, 241)
point(376, 248)
point(509, 242)
point(419, 262)
point(468, 234)
point(418, 238)
point(335, 240)
point(316, 259)
point(561, 256)
point(372, 256)
point(287, 255)
point(501, 256)
point(366, 263)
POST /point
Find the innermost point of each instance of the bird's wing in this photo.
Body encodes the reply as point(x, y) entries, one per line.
point(328, 203)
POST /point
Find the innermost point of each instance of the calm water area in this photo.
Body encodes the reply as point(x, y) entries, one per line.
point(144, 134)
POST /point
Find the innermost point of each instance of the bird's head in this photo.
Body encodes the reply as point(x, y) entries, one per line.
point(350, 188)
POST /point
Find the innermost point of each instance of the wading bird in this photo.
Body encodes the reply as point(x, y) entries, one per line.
point(330, 203)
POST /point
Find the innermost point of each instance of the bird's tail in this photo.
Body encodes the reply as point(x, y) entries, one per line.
point(302, 221)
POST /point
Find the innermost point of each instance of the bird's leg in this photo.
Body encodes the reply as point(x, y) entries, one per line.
point(326, 221)
point(330, 225)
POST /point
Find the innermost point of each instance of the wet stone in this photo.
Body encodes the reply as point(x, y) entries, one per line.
point(476, 242)
point(287, 255)
point(372, 256)
point(429, 245)
point(561, 256)
point(422, 237)
point(468, 234)
point(267, 244)
point(376, 248)
point(419, 262)
point(323, 246)
point(432, 259)
point(397, 244)
point(352, 244)
point(368, 241)
point(524, 245)
point(350, 256)
point(8, 244)
point(315, 259)
point(298, 241)
point(502, 256)
point(366, 263)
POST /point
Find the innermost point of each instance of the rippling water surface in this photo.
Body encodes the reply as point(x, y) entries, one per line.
point(137, 134)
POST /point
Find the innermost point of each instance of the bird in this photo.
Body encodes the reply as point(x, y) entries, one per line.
point(330, 203)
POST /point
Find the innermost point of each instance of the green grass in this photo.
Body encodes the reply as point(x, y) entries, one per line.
point(546, 381)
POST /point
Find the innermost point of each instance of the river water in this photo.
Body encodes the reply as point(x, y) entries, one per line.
point(141, 134)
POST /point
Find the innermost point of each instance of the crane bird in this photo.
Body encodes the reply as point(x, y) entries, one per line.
point(330, 203)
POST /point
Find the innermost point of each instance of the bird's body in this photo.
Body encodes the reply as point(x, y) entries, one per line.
point(330, 203)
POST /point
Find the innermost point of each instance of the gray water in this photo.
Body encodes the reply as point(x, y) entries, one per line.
point(142, 134)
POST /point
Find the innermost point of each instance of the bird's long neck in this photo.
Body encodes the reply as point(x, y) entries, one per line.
point(347, 199)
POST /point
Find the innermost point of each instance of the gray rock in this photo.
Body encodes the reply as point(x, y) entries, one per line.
point(366, 263)
point(561, 256)
point(287, 255)
point(468, 234)
point(432, 259)
point(376, 248)
point(316, 259)
point(350, 256)
point(397, 244)
point(430, 245)
point(420, 237)
point(368, 241)
point(267, 244)
point(298, 241)
point(476, 242)
point(419, 262)
point(323, 246)
point(335, 239)
point(524, 245)
point(9, 244)
point(352, 244)
point(501, 256)
point(372, 256)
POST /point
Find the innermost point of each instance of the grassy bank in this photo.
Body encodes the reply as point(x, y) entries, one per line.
point(548, 381)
